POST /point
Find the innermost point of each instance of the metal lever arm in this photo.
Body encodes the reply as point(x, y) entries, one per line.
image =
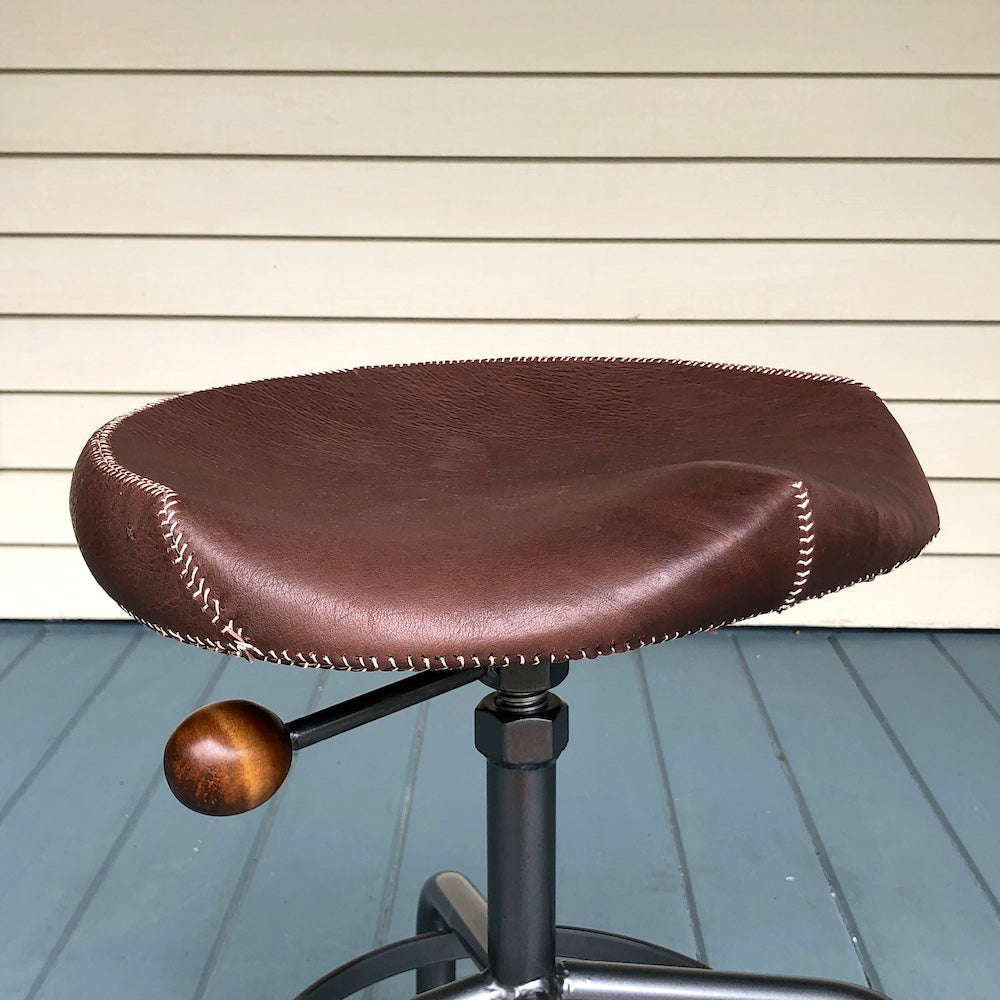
point(376, 704)
point(232, 756)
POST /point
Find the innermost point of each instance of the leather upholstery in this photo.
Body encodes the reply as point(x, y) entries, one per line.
point(447, 514)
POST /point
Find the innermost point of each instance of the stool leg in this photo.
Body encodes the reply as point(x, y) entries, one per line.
point(581, 980)
point(449, 901)
point(521, 730)
point(521, 873)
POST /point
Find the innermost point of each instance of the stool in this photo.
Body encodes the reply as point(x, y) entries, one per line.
point(492, 521)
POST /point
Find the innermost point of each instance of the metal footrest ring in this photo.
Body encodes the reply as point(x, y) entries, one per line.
point(382, 963)
point(443, 946)
point(603, 946)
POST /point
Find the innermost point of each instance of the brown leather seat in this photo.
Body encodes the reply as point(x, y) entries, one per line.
point(454, 514)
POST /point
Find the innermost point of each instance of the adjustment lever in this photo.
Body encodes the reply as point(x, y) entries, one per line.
point(232, 756)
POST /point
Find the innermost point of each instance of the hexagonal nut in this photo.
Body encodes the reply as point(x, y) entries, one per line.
point(527, 677)
point(522, 740)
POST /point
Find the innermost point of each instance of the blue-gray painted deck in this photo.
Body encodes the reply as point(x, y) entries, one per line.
point(821, 803)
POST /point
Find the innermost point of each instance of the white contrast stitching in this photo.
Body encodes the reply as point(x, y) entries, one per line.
point(807, 545)
point(240, 645)
point(367, 663)
point(173, 536)
point(717, 365)
point(194, 640)
point(872, 576)
point(105, 458)
point(174, 539)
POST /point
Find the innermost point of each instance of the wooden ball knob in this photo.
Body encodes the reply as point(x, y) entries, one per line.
point(227, 758)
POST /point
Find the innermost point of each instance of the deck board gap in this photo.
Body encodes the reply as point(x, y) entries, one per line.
point(81, 908)
point(963, 674)
point(701, 951)
point(822, 854)
point(132, 820)
point(247, 871)
point(60, 738)
point(22, 653)
point(395, 865)
point(918, 779)
point(390, 889)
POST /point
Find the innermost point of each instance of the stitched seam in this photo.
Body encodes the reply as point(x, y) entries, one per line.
point(195, 582)
point(343, 662)
point(177, 548)
point(441, 662)
point(715, 365)
point(871, 576)
point(194, 640)
point(807, 539)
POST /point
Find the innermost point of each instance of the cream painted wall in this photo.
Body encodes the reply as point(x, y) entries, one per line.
point(202, 192)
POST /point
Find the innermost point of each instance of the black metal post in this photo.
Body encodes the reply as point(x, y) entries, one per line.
point(521, 733)
point(521, 898)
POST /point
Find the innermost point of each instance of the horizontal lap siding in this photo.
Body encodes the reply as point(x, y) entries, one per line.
point(510, 280)
point(508, 200)
point(111, 354)
point(448, 116)
point(195, 195)
point(562, 36)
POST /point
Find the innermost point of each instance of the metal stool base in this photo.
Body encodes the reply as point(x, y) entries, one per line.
point(591, 964)
point(435, 947)
point(521, 954)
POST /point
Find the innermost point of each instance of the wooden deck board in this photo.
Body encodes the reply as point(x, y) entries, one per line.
point(763, 901)
point(446, 828)
point(44, 692)
point(611, 794)
point(901, 879)
point(62, 828)
point(948, 738)
point(152, 921)
point(16, 639)
point(325, 861)
point(978, 661)
point(110, 889)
